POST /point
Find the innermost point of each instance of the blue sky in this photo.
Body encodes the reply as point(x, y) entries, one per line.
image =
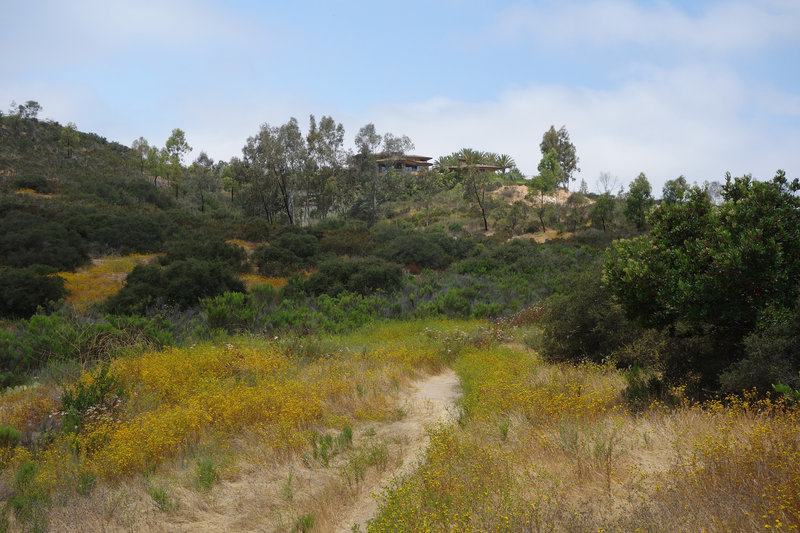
point(662, 87)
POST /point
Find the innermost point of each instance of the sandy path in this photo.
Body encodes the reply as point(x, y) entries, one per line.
point(429, 402)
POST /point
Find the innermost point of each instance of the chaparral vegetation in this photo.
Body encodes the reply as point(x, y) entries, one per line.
point(235, 345)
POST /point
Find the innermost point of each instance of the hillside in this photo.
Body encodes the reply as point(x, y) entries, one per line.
point(208, 347)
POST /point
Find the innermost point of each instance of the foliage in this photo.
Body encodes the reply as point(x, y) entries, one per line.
point(180, 284)
point(582, 322)
point(27, 239)
point(565, 151)
point(638, 201)
point(22, 291)
point(602, 212)
point(206, 249)
point(32, 343)
point(711, 271)
point(363, 276)
point(89, 398)
point(9, 437)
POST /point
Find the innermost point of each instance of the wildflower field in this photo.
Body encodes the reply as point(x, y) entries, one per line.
point(544, 447)
point(162, 438)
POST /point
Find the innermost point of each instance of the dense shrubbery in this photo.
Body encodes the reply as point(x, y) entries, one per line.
point(34, 182)
point(582, 322)
point(22, 291)
point(180, 284)
point(32, 343)
point(214, 250)
point(363, 276)
point(27, 239)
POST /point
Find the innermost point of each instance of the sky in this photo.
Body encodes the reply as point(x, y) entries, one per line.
point(665, 87)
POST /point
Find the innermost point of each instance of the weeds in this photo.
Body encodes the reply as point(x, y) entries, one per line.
point(205, 475)
point(161, 498)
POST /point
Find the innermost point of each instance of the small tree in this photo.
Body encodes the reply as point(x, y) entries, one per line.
point(639, 201)
point(68, 138)
point(565, 150)
point(550, 174)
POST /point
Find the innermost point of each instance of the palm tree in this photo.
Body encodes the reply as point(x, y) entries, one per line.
point(504, 161)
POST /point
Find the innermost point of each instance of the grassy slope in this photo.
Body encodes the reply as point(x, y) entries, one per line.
point(539, 447)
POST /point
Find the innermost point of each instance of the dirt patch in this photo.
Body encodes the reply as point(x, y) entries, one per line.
point(518, 193)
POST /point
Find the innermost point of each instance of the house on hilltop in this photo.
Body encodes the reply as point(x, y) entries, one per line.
point(404, 163)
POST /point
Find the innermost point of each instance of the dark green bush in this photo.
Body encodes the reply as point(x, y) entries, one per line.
point(363, 276)
point(36, 182)
point(180, 284)
point(196, 247)
point(22, 291)
point(582, 322)
point(27, 239)
point(232, 311)
point(772, 356)
point(303, 245)
point(272, 260)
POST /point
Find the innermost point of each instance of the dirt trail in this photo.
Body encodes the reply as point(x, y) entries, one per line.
point(430, 401)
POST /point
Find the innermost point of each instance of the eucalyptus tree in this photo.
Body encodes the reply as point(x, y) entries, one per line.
point(68, 137)
point(326, 162)
point(565, 150)
point(202, 179)
point(141, 147)
point(550, 174)
point(176, 148)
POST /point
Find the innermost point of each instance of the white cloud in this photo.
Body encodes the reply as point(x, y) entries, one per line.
point(692, 120)
point(729, 26)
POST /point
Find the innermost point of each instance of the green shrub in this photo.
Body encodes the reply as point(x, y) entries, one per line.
point(27, 239)
point(82, 400)
point(232, 311)
point(302, 245)
point(582, 322)
point(272, 260)
point(180, 284)
point(22, 291)
point(36, 342)
point(36, 182)
point(9, 437)
point(772, 356)
point(364, 276)
point(213, 250)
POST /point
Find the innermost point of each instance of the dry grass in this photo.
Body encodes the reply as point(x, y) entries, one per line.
point(538, 447)
point(553, 448)
point(252, 408)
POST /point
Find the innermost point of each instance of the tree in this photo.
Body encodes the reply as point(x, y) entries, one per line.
point(606, 182)
point(68, 137)
point(141, 148)
point(713, 271)
point(175, 148)
point(504, 161)
point(476, 182)
point(639, 201)
point(674, 190)
point(157, 163)
point(603, 210)
point(201, 178)
point(567, 159)
point(28, 110)
point(326, 159)
point(550, 174)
